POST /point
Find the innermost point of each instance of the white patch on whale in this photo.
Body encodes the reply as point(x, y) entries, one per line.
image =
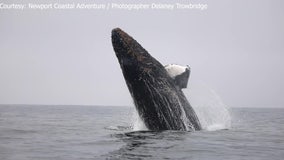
point(175, 70)
point(180, 74)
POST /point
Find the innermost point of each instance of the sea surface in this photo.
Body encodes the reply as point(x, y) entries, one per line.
point(42, 132)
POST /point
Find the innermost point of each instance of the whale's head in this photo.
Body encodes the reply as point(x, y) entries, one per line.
point(126, 48)
point(134, 60)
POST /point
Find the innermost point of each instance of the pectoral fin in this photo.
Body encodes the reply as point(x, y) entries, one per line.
point(180, 74)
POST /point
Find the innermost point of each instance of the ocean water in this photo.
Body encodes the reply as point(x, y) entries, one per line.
point(42, 132)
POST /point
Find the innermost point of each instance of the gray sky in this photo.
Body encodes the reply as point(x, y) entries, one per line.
point(66, 57)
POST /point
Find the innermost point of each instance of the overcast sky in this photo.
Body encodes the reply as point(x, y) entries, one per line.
point(54, 56)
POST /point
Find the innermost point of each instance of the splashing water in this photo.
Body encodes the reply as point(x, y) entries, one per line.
point(137, 123)
point(213, 114)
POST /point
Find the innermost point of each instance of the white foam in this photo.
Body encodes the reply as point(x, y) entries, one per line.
point(137, 123)
point(215, 127)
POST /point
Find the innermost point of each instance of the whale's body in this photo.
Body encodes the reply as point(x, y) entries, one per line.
point(160, 102)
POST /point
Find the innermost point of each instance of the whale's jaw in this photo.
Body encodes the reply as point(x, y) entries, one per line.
point(160, 104)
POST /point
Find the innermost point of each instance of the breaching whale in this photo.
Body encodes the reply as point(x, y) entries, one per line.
point(156, 89)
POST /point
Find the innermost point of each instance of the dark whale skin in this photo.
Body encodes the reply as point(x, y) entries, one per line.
point(160, 103)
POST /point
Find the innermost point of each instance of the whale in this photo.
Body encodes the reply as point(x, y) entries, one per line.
point(156, 89)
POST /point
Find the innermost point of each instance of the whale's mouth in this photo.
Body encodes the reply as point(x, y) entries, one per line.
point(127, 48)
point(121, 41)
point(117, 31)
